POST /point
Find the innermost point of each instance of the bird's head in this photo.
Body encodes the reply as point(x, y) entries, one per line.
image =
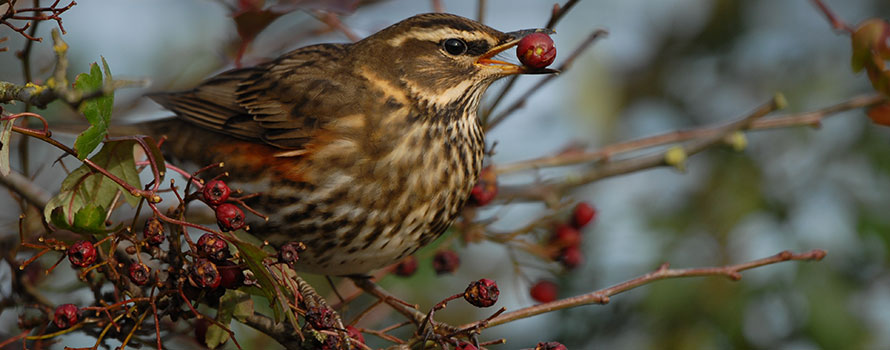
point(441, 59)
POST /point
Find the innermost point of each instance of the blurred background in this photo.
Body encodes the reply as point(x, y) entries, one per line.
point(666, 65)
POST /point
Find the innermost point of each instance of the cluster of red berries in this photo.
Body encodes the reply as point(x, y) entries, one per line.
point(566, 239)
point(228, 216)
point(213, 269)
point(444, 261)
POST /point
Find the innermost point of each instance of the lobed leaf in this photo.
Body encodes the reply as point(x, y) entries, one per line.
point(97, 110)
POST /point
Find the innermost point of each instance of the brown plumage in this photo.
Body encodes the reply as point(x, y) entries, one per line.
point(365, 152)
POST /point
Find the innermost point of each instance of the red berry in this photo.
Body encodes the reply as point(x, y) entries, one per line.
point(139, 274)
point(445, 261)
point(216, 192)
point(355, 334)
point(536, 50)
point(229, 217)
point(65, 316)
point(289, 253)
point(583, 214)
point(231, 275)
point(153, 231)
point(320, 318)
point(213, 247)
point(466, 346)
point(482, 293)
point(566, 236)
point(544, 291)
point(406, 267)
point(486, 187)
point(82, 253)
point(571, 257)
point(204, 274)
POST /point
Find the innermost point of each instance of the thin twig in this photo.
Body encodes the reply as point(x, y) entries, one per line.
point(663, 272)
point(836, 22)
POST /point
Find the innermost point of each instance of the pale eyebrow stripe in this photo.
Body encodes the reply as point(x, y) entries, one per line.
point(436, 35)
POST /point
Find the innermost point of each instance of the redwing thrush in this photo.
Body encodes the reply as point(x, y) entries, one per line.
point(365, 152)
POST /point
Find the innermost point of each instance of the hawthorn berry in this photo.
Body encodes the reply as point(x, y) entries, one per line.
point(216, 192)
point(65, 316)
point(289, 253)
point(229, 217)
point(355, 334)
point(139, 274)
point(486, 187)
point(482, 293)
point(550, 345)
point(204, 274)
point(583, 214)
point(466, 346)
point(571, 257)
point(445, 261)
point(153, 231)
point(536, 50)
point(566, 236)
point(231, 275)
point(82, 253)
point(406, 267)
point(320, 318)
point(544, 291)
point(213, 247)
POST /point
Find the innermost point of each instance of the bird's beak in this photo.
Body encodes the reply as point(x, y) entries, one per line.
point(507, 68)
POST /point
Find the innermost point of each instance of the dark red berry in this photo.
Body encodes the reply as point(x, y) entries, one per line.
point(482, 293)
point(583, 214)
point(571, 257)
point(153, 231)
point(486, 187)
point(536, 50)
point(216, 192)
point(445, 261)
point(213, 247)
point(82, 253)
point(204, 274)
point(231, 275)
point(139, 273)
point(566, 236)
point(289, 253)
point(550, 345)
point(406, 267)
point(466, 346)
point(320, 318)
point(65, 316)
point(355, 334)
point(229, 217)
point(544, 291)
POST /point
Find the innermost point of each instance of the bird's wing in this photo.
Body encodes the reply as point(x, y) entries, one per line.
point(281, 103)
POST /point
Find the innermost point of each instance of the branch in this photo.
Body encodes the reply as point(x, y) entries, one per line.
point(836, 22)
point(57, 86)
point(20, 184)
point(601, 296)
point(606, 167)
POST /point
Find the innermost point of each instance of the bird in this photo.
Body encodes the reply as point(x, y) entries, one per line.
point(365, 151)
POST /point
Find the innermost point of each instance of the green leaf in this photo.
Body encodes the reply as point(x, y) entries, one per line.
point(84, 186)
point(96, 110)
point(253, 256)
point(229, 305)
point(5, 132)
point(90, 219)
point(156, 156)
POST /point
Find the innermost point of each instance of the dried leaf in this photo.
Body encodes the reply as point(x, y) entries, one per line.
point(5, 133)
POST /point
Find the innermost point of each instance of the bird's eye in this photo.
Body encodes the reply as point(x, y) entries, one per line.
point(454, 46)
